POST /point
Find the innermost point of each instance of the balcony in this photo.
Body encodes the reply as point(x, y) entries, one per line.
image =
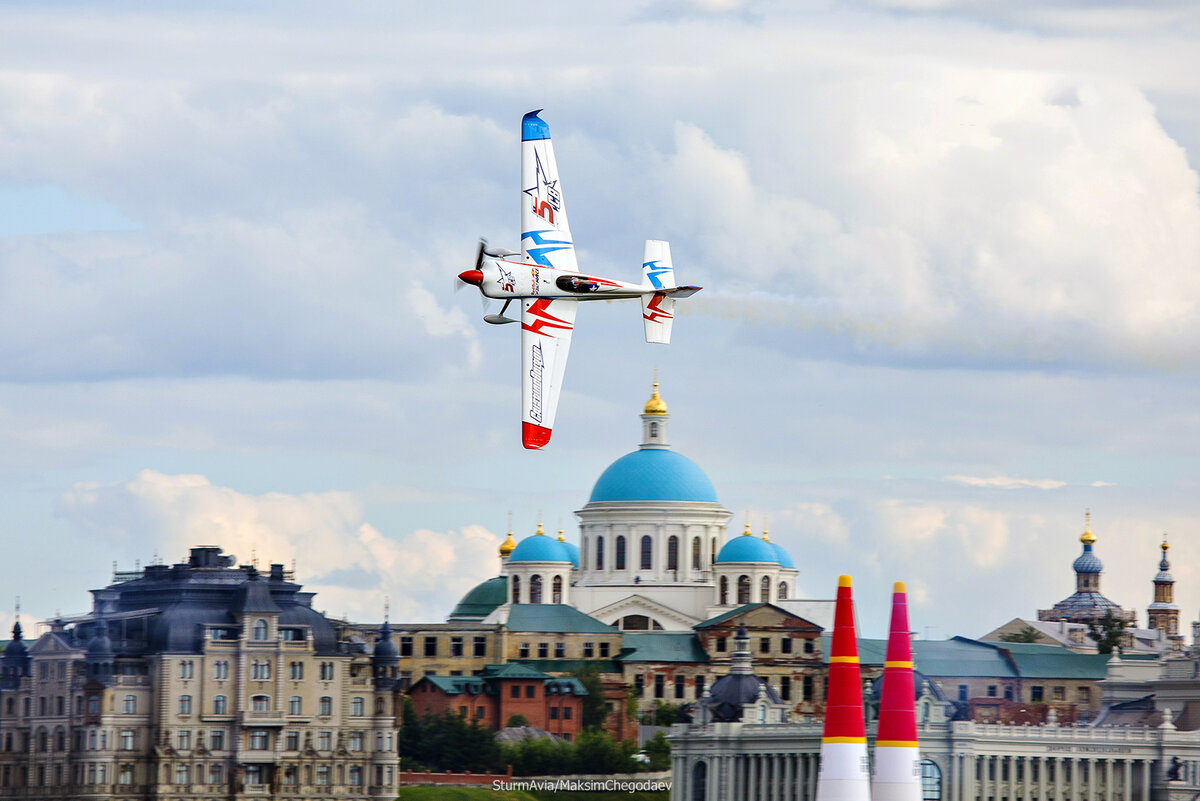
point(262, 718)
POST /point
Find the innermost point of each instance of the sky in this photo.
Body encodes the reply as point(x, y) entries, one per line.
point(950, 252)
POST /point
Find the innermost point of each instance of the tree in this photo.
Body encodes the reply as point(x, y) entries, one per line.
point(1107, 633)
point(595, 709)
point(516, 722)
point(1027, 634)
point(659, 751)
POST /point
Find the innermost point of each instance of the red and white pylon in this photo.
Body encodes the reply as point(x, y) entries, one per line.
point(897, 759)
point(843, 775)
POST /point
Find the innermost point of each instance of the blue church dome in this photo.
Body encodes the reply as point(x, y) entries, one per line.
point(653, 474)
point(540, 548)
point(747, 548)
point(781, 555)
point(1087, 562)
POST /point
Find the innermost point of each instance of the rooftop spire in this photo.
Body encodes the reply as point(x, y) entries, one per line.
point(1087, 537)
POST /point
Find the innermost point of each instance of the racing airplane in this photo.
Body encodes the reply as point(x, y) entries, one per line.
point(546, 280)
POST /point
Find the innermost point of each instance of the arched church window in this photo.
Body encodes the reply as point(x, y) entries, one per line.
point(724, 596)
point(743, 589)
point(620, 553)
point(673, 553)
point(647, 551)
point(260, 630)
point(713, 557)
point(556, 594)
point(695, 553)
point(931, 781)
point(764, 594)
point(535, 589)
point(516, 589)
point(599, 553)
point(653, 430)
point(783, 593)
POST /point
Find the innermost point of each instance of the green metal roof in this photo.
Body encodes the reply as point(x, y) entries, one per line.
point(1056, 662)
point(661, 646)
point(960, 656)
point(456, 685)
point(554, 619)
point(481, 600)
point(721, 618)
point(572, 665)
point(511, 670)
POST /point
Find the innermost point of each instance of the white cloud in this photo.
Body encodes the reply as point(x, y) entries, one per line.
point(347, 561)
point(1008, 482)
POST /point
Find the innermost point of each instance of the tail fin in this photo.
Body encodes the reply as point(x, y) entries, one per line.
point(656, 265)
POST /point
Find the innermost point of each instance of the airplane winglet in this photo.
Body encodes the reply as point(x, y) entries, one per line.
point(534, 127)
point(534, 436)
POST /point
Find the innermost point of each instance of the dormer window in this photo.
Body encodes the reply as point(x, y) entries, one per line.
point(259, 632)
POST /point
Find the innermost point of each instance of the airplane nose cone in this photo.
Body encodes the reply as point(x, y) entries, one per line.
point(471, 277)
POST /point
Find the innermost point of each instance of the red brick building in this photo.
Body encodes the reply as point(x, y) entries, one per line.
point(501, 691)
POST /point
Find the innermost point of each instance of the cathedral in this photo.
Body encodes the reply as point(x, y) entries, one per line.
point(653, 552)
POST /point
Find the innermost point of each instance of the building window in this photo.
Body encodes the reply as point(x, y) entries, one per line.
point(357, 706)
point(723, 598)
point(743, 590)
point(260, 703)
point(535, 589)
point(480, 646)
point(355, 741)
point(764, 645)
point(216, 774)
point(185, 704)
point(354, 776)
point(785, 645)
point(291, 741)
point(620, 557)
point(523, 651)
point(324, 740)
point(604, 650)
point(259, 632)
point(125, 775)
point(962, 692)
point(695, 553)
point(543, 650)
point(184, 739)
point(931, 780)
point(516, 589)
point(294, 705)
point(672, 552)
point(589, 650)
point(764, 594)
point(186, 668)
point(599, 553)
point(679, 685)
point(554, 713)
point(289, 777)
point(721, 644)
point(699, 686)
point(181, 774)
point(456, 646)
point(785, 687)
point(991, 691)
point(327, 667)
point(556, 591)
point(431, 646)
point(560, 650)
point(296, 671)
point(255, 775)
point(322, 775)
point(325, 706)
point(782, 595)
point(221, 669)
point(647, 551)
point(1037, 693)
point(260, 671)
point(129, 705)
point(660, 682)
point(1085, 695)
point(809, 647)
point(126, 740)
point(808, 688)
point(515, 691)
point(216, 740)
point(530, 690)
point(220, 705)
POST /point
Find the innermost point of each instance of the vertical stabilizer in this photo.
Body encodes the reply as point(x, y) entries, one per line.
point(897, 760)
point(658, 310)
point(843, 775)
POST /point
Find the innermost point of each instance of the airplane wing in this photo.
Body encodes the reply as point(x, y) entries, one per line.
point(545, 235)
point(546, 327)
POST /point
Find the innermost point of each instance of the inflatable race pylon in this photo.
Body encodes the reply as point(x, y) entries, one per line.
point(897, 761)
point(843, 775)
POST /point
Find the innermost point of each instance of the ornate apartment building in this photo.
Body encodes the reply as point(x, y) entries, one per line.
point(198, 680)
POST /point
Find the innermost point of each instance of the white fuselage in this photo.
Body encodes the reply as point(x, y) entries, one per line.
point(505, 278)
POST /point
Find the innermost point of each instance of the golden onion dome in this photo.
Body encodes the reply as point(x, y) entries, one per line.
point(507, 546)
point(1087, 537)
point(561, 538)
point(655, 405)
point(747, 532)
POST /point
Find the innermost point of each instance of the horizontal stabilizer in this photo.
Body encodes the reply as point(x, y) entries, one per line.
point(682, 291)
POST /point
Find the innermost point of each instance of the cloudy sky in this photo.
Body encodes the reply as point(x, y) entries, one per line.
point(950, 251)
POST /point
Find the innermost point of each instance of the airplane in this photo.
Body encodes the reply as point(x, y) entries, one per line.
point(545, 278)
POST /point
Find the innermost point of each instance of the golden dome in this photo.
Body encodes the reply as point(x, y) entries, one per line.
point(1087, 537)
point(766, 537)
point(507, 546)
point(1165, 547)
point(539, 532)
point(655, 405)
point(561, 538)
